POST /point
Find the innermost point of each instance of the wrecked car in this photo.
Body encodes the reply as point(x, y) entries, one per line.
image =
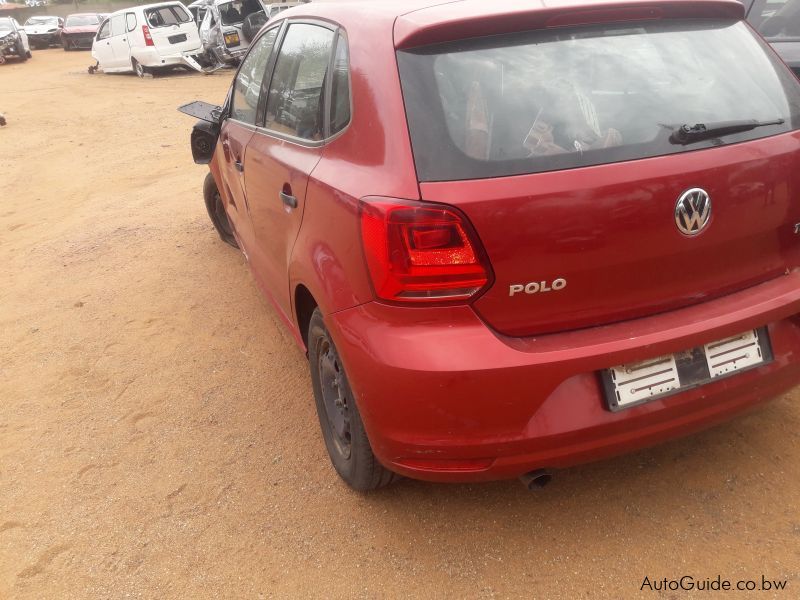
point(13, 40)
point(79, 30)
point(227, 26)
point(44, 31)
point(556, 234)
point(145, 39)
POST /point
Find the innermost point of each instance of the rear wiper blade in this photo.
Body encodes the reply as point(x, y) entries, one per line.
point(686, 134)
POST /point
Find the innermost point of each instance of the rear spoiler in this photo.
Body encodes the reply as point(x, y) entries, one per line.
point(461, 20)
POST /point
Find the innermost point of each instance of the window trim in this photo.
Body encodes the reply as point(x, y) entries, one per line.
point(340, 34)
point(260, 128)
point(128, 27)
point(100, 30)
point(267, 75)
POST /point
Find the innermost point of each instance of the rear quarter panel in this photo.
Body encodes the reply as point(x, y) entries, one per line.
point(371, 157)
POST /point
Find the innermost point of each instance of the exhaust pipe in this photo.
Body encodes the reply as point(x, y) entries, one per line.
point(536, 480)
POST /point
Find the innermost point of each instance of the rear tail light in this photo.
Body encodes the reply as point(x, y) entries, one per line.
point(421, 252)
point(148, 39)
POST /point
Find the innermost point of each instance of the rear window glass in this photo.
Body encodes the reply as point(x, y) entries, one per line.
point(777, 20)
point(549, 100)
point(165, 16)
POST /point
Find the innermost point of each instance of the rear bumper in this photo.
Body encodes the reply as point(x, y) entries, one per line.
point(152, 59)
point(445, 398)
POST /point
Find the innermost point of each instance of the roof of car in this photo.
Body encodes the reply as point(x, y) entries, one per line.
point(418, 22)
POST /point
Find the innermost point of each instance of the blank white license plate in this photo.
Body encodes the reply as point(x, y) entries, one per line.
point(635, 383)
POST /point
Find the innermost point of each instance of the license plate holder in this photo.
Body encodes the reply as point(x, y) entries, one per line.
point(633, 384)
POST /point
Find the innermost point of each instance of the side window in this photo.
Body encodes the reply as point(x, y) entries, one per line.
point(117, 25)
point(340, 87)
point(105, 30)
point(247, 87)
point(295, 102)
point(130, 18)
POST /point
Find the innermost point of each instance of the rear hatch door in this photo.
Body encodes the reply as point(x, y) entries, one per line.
point(561, 148)
point(172, 28)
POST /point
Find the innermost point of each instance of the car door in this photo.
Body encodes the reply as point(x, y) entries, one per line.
point(282, 153)
point(101, 48)
point(119, 42)
point(238, 128)
point(23, 36)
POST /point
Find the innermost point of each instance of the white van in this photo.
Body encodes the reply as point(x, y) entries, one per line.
point(147, 38)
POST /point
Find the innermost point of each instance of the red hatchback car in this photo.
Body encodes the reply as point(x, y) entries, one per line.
point(516, 236)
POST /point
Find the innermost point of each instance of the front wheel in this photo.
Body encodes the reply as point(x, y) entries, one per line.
point(342, 428)
point(22, 53)
point(216, 211)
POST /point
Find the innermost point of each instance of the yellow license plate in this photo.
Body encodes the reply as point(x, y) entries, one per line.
point(232, 39)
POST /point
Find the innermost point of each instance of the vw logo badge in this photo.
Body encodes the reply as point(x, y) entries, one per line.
point(693, 211)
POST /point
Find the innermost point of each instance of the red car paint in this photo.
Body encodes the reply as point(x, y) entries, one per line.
point(501, 385)
point(80, 34)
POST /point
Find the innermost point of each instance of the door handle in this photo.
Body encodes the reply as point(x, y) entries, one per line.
point(239, 166)
point(288, 200)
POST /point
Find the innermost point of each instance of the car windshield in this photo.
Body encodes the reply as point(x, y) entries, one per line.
point(82, 20)
point(776, 20)
point(42, 21)
point(5, 25)
point(558, 99)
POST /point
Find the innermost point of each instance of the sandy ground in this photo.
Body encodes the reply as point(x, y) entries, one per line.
point(157, 431)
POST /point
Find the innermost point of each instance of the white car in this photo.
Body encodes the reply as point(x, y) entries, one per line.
point(13, 40)
point(143, 39)
point(227, 26)
point(44, 31)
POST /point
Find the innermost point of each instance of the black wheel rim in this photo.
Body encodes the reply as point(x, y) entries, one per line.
point(222, 217)
point(334, 397)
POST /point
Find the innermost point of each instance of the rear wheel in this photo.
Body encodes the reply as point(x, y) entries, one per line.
point(342, 428)
point(21, 52)
point(216, 211)
point(66, 45)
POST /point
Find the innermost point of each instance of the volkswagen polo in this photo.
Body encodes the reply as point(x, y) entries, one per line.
point(513, 237)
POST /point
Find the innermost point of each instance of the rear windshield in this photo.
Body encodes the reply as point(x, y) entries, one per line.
point(549, 100)
point(776, 20)
point(165, 16)
point(82, 21)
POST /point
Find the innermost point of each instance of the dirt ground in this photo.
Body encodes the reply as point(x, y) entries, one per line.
point(157, 431)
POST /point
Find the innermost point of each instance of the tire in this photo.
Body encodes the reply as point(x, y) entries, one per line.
point(342, 429)
point(22, 53)
point(66, 46)
point(28, 54)
point(216, 211)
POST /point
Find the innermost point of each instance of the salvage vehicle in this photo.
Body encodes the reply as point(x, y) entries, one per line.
point(144, 39)
point(779, 22)
point(227, 26)
point(13, 40)
point(79, 30)
point(44, 31)
point(516, 237)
